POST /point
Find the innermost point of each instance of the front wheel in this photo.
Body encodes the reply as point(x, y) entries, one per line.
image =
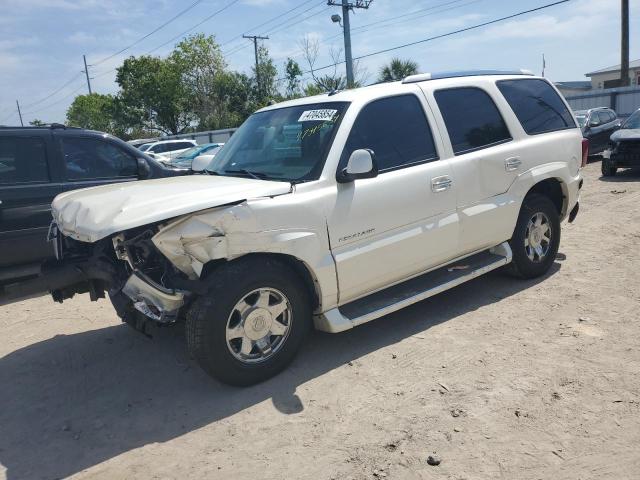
point(536, 238)
point(608, 170)
point(251, 323)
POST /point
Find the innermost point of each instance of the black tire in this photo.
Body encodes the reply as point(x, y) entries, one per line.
point(608, 170)
point(207, 319)
point(521, 265)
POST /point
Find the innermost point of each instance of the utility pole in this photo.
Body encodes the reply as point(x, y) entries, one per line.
point(624, 44)
point(86, 72)
point(255, 39)
point(19, 113)
point(346, 30)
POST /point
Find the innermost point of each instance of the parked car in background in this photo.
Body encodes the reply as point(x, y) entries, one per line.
point(332, 210)
point(167, 149)
point(206, 151)
point(597, 125)
point(38, 163)
point(624, 147)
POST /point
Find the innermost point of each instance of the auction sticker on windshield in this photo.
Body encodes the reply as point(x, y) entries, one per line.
point(323, 115)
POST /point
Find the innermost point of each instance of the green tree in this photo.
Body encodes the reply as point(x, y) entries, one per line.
point(397, 70)
point(293, 72)
point(36, 123)
point(153, 94)
point(94, 111)
point(265, 78)
point(200, 62)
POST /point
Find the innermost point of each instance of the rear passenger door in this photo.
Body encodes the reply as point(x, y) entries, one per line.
point(402, 222)
point(90, 161)
point(28, 184)
point(485, 162)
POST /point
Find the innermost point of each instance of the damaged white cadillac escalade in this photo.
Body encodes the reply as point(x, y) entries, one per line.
point(330, 211)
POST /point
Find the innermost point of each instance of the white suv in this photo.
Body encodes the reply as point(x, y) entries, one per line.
point(167, 149)
point(332, 211)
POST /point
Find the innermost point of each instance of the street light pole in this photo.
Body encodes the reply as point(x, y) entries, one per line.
point(346, 30)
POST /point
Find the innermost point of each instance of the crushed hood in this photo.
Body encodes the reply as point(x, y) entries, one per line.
point(94, 213)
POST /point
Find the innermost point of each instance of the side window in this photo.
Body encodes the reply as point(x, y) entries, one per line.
point(472, 119)
point(396, 129)
point(90, 158)
point(181, 145)
point(612, 116)
point(23, 160)
point(604, 117)
point(537, 105)
point(158, 148)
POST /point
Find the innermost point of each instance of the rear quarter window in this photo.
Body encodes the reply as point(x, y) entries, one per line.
point(472, 119)
point(537, 105)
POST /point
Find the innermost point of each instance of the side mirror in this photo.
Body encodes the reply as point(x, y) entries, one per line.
point(200, 163)
point(144, 170)
point(594, 122)
point(361, 164)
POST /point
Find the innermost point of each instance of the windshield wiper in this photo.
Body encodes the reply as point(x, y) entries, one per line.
point(256, 175)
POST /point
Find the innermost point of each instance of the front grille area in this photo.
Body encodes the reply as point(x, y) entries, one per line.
point(627, 153)
point(629, 147)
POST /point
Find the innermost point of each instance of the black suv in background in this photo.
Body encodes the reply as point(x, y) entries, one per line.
point(597, 125)
point(38, 163)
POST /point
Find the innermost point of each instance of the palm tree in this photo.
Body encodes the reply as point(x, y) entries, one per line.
point(397, 70)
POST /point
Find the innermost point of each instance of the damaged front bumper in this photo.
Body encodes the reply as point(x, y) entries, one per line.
point(152, 300)
point(100, 267)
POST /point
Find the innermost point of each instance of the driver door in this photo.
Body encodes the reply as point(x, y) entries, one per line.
point(388, 228)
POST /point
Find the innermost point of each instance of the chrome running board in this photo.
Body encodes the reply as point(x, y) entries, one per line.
point(414, 290)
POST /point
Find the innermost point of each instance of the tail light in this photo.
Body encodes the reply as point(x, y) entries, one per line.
point(585, 152)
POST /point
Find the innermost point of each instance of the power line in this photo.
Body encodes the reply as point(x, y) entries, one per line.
point(81, 86)
point(148, 34)
point(283, 26)
point(461, 30)
point(357, 30)
point(206, 19)
point(237, 37)
point(29, 105)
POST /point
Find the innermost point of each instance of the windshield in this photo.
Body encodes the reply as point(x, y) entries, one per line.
point(633, 121)
point(582, 119)
point(288, 144)
point(190, 152)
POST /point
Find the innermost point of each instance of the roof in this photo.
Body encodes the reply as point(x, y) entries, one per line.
point(398, 87)
point(615, 68)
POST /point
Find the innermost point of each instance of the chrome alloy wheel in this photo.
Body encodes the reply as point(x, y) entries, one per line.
point(537, 237)
point(259, 325)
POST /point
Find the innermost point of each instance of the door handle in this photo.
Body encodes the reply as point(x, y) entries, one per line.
point(440, 184)
point(511, 164)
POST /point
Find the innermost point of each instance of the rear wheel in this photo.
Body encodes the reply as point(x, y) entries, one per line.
point(251, 324)
point(536, 237)
point(607, 168)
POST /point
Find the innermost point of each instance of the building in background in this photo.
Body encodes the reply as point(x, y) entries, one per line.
point(610, 77)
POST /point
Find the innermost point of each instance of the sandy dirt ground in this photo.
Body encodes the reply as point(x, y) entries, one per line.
point(502, 379)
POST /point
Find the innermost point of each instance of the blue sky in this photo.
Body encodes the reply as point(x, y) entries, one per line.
point(42, 41)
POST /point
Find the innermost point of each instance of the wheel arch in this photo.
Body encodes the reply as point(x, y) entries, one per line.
point(554, 189)
point(311, 283)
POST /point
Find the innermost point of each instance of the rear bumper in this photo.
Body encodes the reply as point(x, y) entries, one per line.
point(574, 212)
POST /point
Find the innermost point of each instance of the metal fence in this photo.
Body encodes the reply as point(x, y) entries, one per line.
point(210, 136)
point(623, 100)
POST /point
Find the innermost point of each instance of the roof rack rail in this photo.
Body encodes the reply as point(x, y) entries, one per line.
point(422, 77)
point(57, 125)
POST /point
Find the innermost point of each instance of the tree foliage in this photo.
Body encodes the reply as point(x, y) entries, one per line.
point(193, 89)
point(93, 111)
point(397, 69)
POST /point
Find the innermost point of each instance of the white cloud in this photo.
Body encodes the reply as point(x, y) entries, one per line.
point(80, 38)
